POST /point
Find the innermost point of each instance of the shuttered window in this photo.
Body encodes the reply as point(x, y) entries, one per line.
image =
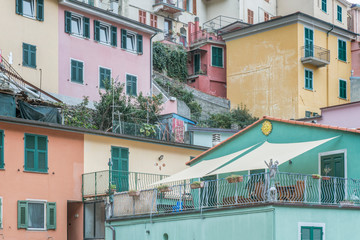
point(51, 215)
point(104, 77)
point(113, 36)
point(142, 16)
point(77, 71)
point(139, 43)
point(342, 89)
point(217, 57)
point(40, 10)
point(29, 55)
point(324, 5)
point(131, 85)
point(311, 233)
point(339, 13)
point(36, 215)
point(29, 7)
point(120, 167)
point(1, 149)
point(153, 20)
point(342, 50)
point(308, 79)
point(77, 25)
point(131, 41)
point(36, 154)
point(250, 16)
point(86, 27)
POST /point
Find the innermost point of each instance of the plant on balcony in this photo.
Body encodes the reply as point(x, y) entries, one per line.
point(148, 130)
point(134, 193)
point(163, 188)
point(316, 176)
point(234, 178)
point(326, 171)
point(347, 202)
point(112, 189)
point(197, 184)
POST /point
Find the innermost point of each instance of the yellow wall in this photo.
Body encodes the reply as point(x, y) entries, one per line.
point(142, 155)
point(265, 73)
point(16, 29)
point(262, 72)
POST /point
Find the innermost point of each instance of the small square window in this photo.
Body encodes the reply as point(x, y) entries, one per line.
point(311, 233)
point(28, 8)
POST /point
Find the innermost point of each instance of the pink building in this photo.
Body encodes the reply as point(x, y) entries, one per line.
point(354, 26)
point(96, 45)
point(207, 61)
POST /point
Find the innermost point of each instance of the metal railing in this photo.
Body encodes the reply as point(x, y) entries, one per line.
point(201, 71)
point(203, 35)
point(100, 183)
point(174, 3)
point(284, 188)
point(310, 51)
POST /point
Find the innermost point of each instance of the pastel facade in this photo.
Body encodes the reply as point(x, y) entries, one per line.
point(272, 71)
point(355, 52)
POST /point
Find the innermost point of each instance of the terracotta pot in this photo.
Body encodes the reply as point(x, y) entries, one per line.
point(195, 186)
point(236, 179)
point(315, 177)
point(325, 178)
point(134, 194)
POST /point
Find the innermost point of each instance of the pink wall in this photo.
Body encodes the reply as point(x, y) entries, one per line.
point(61, 183)
point(355, 58)
point(346, 115)
point(95, 54)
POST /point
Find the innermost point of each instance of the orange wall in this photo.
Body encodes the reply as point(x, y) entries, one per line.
point(60, 184)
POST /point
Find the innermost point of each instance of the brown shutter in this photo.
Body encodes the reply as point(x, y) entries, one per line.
point(194, 7)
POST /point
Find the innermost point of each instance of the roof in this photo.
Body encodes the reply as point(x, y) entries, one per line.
point(204, 129)
point(340, 105)
point(277, 120)
point(60, 127)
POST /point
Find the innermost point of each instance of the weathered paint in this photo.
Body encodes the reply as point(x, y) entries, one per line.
point(61, 184)
point(268, 76)
point(17, 29)
point(142, 155)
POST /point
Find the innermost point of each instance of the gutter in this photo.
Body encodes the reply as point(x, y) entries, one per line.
point(113, 232)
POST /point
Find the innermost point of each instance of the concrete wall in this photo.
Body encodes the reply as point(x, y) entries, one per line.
point(355, 89)
point(17, 29)
point(62, 182)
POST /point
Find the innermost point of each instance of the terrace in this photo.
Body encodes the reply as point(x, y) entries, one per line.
point(246, 190)
point(315, 55)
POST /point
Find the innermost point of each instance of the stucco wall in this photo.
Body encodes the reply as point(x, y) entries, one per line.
point(342, 116)
point(60, 184)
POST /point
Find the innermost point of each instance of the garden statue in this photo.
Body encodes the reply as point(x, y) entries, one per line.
point(273, 167)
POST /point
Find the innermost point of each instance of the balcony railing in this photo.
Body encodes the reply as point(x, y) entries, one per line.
point(170, 6)
point(315, 55)
point(193, 72)
point(100, 183)
point(284, 188)
point(203, 36)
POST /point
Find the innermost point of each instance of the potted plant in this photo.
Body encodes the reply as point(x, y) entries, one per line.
point(347, 202)
point(163, 188)
point(234, 178)
point(196, 185)
point(316, 176)
point(134, 193)
point(325, 178)
point(326, 171)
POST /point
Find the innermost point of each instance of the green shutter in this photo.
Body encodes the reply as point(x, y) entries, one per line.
point(139, 41)
point(217, 57)
point(40, 10)
point(114, 36)
point(30, 152)
point(19, 7)
point(339, 13)
point(1, 150)
point(96, 30)
point(32, 56)
point(134, 86)
point(86, 27)
point(25, 54)
point(67, 22)
point(342, 89)
point(324, 5)
point(104, 77)
point(22, 214)
point(128, 84)
point(123, 39)
point(36, 153)
point(51, 215)
point(77, 71)
point(342, 50)
point(42, 154)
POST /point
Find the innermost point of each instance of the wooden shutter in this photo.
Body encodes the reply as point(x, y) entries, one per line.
point(102, 77)
point(1, 150)
point(128, 84)
point(22, 214)
point(139, 43)
point(123, 38)
point(134, 86)
point(86, 30)
point(51, 215)
point(96, 30)
point(114, 36)
point(25, 61)
point(19, 7)
point(194, 7)
point(30, 152)
point(42, 163)
point(67, 22)
point(80, 70)
point(32, 53)
point(40, 10)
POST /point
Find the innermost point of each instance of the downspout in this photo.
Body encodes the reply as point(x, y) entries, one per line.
point(113, 232)
point(151, 63)
point(327, 66)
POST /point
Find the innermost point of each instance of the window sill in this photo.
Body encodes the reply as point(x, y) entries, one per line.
point(308, 89)
point(36, 229)
point(342, 60)
point(30, 171)
point(131, 51)
point(345, 99)
point(79, 83)
point(29, 66)
point(217, 66)
point(78, 36)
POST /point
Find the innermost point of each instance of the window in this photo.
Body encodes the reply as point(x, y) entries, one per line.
point(309, 42)
point(324, 5)
point(142, 16)
point(131, 82)
point(131, 41)
point(189, 6)
point(36, 153)
point(308, 79)
point(104, 77)
point(153, 20)
point(27, 8)
point(77, 25)
point(339, 13)
point(94, 220)
point(311, 233)
point(29, 55)
point(1, 150)
point(250, 16)
point(167, 27)
point(77, 71)
point(217, 56)
point(102, 33)
point(342, 89)
point(266, 16)
point(36, 215)
point(342, 50)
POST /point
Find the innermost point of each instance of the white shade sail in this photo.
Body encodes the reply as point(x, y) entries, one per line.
point(280, 152)
point(201, 169)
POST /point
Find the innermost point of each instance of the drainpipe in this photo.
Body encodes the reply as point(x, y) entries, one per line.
point(151, 63)
point(113, 232)
point(327, 67)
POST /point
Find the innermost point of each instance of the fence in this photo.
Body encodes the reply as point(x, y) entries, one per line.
point(285, 188)
point(311, 51)
point(203, 35)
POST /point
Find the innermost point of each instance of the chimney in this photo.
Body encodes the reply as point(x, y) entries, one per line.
point(197, 28)
point(215, 139)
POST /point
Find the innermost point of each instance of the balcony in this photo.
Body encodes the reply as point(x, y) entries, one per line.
point(248, 190)
point(169, 6)
point(194, 72)
point(314, 55)
point(204, 36)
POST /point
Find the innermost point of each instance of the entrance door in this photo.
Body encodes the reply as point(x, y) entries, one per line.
point(120, 167)
point(333, 190)
point(309, 42)
point(209, 194)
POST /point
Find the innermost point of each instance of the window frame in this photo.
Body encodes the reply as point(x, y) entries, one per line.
point(339, 57)
point(108, 28)
point(266, 16)
point(83, 72)
point(142, 16)
point(36, 159)
point(324, 2)
point(197, 54)
point(153, 20)
point(126, 85)
point(346, 95)
point(29, 63)
point(44, 202)
point(312, 79)
point(223, 63)
point(250, 16)
point(339, 14)
point(81, 30)
point(133, 34)
point(32, 5)
point(311, 224)
point(101, 67)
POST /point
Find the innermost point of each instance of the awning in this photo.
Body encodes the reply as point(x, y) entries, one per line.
point(201, 169)
point(280, 152)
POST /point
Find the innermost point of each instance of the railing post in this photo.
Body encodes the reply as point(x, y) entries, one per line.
point(180, 200)
point(82, 186)
point(305, 189)
point(136, 179)
point(95, 185)
point(335, 183)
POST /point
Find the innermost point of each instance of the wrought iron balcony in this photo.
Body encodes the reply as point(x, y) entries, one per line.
point(194, 72)
point(203, 36)
point(169, 6)
point(314, 55)
point(246, 190)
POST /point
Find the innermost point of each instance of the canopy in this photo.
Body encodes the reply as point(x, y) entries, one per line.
point(201, 169)
point(280, 152)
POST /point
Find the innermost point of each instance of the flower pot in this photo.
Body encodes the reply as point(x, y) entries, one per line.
point(314, 176)
point(346, 203)
point(197, 185)
point(134, 194)
point(235, 179)
point(325, 178)
point(167, 189)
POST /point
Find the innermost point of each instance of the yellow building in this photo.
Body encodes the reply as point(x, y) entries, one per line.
point(288, 67)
